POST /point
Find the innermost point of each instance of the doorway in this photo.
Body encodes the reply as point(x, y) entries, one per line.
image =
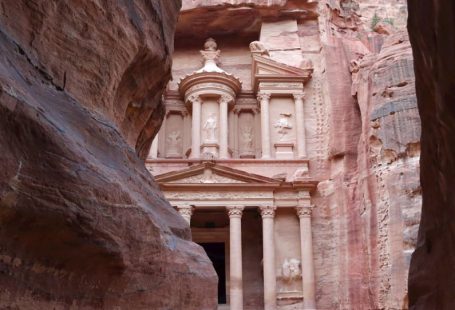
point(216, 252)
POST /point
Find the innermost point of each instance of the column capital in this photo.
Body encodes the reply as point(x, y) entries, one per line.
point(303, 212)
point(194, 98)
point(185, 210)
point(235, 211)
point(267, 211)
point(298, 95)
point(225, 98)
point(263, 96)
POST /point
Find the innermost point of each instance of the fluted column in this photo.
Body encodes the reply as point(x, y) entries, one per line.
point(268, 240)
point(236, 276)
point(264, 99)
point(300, 125)
point(196, 127)
point(186, 212)
point(306, 246)
point(224, 100)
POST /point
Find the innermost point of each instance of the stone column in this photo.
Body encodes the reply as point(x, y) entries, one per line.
point(264, 99)
point(224, 100)
point(235, 130)
point(196, 127)
point(268, 240)
point(306, 246)
point(153, 154)
point(186, 212)
point(300, 125)
point(235, 237)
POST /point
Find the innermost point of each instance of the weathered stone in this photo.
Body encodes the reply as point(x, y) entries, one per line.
point(431, 279)
point(82, 224)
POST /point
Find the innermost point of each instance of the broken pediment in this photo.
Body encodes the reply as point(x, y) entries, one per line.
point(266, 69)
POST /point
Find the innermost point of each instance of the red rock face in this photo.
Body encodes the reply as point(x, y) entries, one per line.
point(431, 277)
point(368, 207)
point(82, 223)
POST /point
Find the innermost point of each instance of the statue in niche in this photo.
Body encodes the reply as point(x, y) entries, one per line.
point(247, 138)
point(174, 138)
point(210, 128)
point(291, 273)
point(283, 125)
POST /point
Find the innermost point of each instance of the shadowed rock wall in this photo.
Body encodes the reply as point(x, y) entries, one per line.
point(82, 223)
point(431, 27)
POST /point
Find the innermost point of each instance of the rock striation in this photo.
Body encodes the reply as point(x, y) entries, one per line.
point(431, 280)
point(82, 223)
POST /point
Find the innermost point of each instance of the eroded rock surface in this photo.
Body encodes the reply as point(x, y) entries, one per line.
point(431, 279)
point(82, 223)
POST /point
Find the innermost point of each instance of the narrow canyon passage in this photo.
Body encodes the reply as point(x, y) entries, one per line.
point(222, 154)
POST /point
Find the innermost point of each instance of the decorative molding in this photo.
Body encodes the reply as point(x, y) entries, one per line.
point(232, 195)
point(267, 211)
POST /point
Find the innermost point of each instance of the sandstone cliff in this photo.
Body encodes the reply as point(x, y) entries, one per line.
point(82, 224)
point(431, 279)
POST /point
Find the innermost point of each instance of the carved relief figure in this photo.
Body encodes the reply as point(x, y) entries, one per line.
point(174, 139)
point(283, 125)
point(291, 273)
point(210, 128)
point(247, 138)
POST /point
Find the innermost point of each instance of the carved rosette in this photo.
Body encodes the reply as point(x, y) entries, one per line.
point(235, 211)
point(263, 96)
point(299, 96)
point(304, 212)
point(267, 211)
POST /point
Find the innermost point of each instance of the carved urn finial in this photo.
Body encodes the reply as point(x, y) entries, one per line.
point(211, 54)
point(210, 45)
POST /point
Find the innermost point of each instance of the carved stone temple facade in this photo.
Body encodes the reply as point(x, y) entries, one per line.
point(290, 144)
point(233, 162)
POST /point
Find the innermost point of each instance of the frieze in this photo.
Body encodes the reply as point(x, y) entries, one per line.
point(217, 195)
point(213, 178)
point(280, 85)
point(215, 86)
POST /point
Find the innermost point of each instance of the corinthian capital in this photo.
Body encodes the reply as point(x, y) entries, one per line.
point(267, 211)
point(235, 211)
point(263, 96)
point(225, 99)
point(194, 98)
point(299, 96)
point(304, 211)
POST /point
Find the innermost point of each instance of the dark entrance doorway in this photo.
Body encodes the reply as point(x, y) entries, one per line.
point(215, 251)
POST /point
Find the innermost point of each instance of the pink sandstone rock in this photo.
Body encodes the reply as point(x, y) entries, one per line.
point(82, 223)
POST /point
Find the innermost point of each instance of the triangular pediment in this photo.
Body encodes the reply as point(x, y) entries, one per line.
point(266, 69)
point(209, 173)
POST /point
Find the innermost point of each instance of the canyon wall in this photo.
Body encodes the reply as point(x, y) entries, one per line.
point(431, 279)
point(82, 223)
